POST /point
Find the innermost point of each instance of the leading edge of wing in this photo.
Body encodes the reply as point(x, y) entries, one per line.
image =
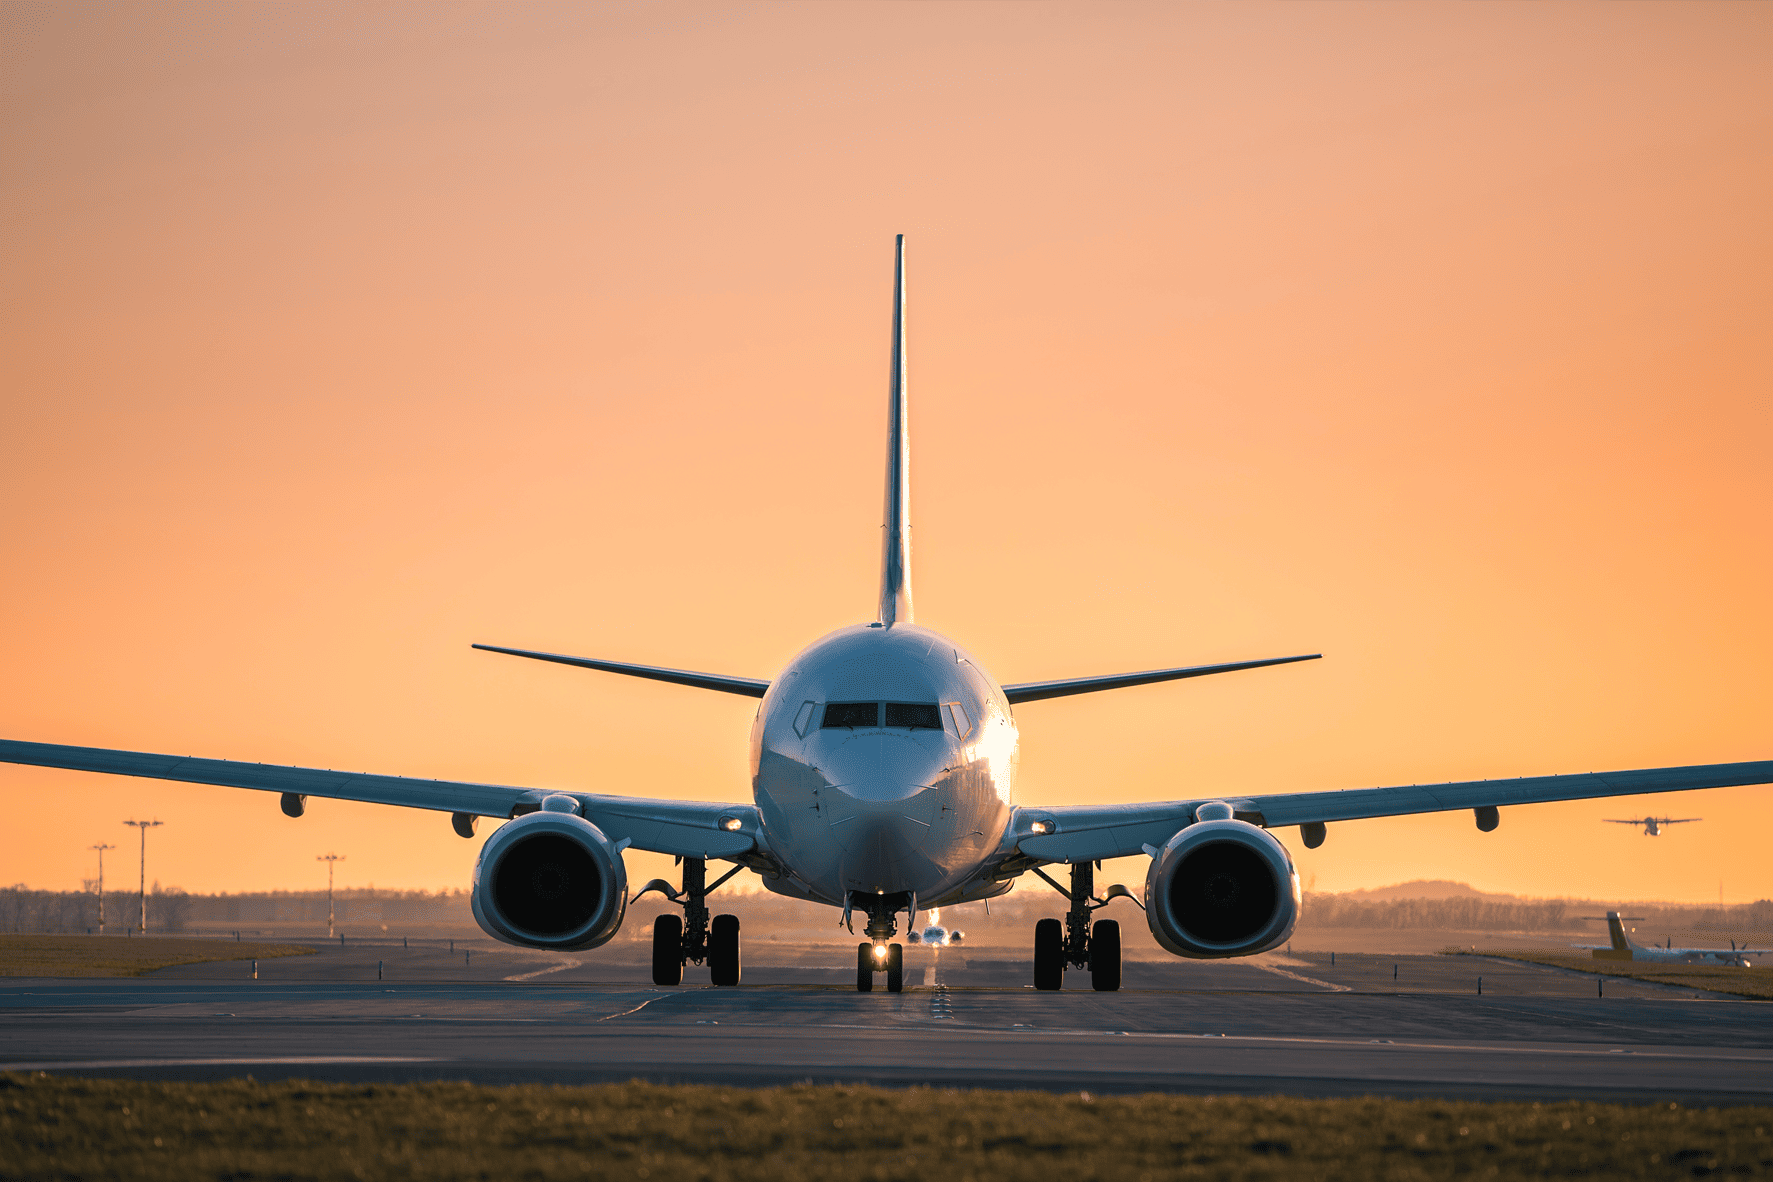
point(681, 827)
point(1034, 691)
point(1088, 832)
point(1354, 804)
point(750, 687)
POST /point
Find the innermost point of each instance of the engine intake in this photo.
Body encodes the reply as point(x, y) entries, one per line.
point(550, 879)
point(1221, 888)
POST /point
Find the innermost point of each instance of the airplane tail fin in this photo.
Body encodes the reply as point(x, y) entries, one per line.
point(1622, 946)
point(895, 560)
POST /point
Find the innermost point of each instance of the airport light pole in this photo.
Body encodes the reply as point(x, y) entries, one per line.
point(144, 826)
point(101, 853)
point(329, 859)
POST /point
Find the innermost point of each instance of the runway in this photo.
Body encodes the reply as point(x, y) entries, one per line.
point(1293, 1025)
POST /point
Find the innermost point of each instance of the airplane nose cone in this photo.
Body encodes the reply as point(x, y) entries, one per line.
point(883, 767)
point(884, 802)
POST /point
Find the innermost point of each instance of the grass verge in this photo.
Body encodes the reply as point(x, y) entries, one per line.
point(1756, 982)
point(107, 956)
point(64, 1128)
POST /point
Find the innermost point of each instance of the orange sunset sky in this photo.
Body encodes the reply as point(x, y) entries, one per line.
point(1434, 338)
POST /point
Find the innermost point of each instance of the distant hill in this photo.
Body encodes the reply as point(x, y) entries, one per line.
point(1425, 888)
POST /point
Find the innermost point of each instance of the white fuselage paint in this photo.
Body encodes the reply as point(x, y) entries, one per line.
point(882, 810)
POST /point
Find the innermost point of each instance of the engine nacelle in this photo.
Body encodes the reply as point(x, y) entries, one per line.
point(1221, 888)
point(550, 879)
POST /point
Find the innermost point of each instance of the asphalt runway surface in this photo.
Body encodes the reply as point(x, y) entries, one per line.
point(1294, 1025)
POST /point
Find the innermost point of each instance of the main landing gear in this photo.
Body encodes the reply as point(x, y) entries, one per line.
point(1077, 943)
point(677, 940)
point(876, 955)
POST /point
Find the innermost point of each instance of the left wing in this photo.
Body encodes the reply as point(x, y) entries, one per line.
point(1080, 833)
point(681, 827)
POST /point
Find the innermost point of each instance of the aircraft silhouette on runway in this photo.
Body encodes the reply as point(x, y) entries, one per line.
point(883, 781)
point(1623, 947)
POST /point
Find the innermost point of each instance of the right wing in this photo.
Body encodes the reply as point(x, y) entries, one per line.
point(750, 687)
point(1087, 832)
point(685, 828)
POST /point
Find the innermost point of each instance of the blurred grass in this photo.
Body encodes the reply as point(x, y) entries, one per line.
point(1754, 982)
point(108, 956)
point(65, 1128)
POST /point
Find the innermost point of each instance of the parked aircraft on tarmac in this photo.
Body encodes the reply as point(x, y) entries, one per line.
point(883, 769)
point(1653, 825)
point(1625, 948)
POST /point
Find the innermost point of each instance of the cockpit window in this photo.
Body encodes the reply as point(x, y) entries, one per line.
point(851, 714)
point(916, 715)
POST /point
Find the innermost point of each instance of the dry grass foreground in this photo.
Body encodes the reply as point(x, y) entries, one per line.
point(63, 1128)
point(1755, 982)
point(107, 956)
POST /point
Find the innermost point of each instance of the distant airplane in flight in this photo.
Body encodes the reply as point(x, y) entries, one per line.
point(1653, 825)
point(883, 777)
point(1625, 948)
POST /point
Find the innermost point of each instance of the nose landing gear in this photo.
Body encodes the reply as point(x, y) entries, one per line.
point(876, 955)
point(880, 958)
point(1078, 943)
point(678, 940)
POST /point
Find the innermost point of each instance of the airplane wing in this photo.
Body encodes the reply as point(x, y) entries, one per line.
point(750, 687)
point(684, 828)
point(1034, 691)
point(1088, 832)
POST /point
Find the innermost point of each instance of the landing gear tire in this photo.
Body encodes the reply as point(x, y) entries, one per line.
point(723, 950)
point(1105, 956)
point(1049, 954)
point(895, 968)
point(668, 950)
point(864, 968)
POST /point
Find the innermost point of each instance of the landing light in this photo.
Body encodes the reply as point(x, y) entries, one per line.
point(1042, 827)
point(879, 951)
point(730, 824)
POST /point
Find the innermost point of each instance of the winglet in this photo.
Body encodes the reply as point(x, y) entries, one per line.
point(895, 560)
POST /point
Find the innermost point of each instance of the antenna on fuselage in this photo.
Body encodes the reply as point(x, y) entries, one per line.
point(895, 560)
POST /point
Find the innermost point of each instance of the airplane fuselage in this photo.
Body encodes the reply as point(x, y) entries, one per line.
point(883, 761)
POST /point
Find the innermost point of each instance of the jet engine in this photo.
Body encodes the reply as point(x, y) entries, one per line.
point(550, 879)
point(1221, 887)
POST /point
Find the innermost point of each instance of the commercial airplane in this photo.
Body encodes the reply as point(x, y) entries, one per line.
point(1653, 825)
point(1625, 948)
point(883, 778)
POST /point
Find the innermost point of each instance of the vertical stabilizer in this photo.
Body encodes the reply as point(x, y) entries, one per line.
point(895, 560)
point(1616, 929)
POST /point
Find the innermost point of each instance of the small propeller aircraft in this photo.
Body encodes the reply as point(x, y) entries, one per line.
point(1652, 825)
point(1624, 947)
